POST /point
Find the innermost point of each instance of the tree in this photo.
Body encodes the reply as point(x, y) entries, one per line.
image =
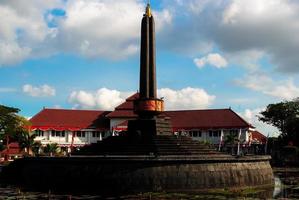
point(8, 117)
point(284, 116)
point(8, 121)
point(11, 124)
point(230, 140)
point(26, 142)
point(51, 149)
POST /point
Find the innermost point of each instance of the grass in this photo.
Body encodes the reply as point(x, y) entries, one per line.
point(204, 194)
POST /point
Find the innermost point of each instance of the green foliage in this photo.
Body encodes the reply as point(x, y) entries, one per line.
point(51, 148)
point(230, 139)
point(26, 140)
point(284, 116)
point(7, 116)
point(15, 128)
point(290, 150)
point(11, 124)
point(2, 147)
point(36, 147)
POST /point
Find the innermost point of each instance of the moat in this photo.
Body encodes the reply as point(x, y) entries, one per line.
point(286, 186)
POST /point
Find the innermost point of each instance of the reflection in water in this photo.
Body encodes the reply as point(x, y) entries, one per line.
point(286, 186)
point(286, 183)
point(277, 187)
point(11, 192)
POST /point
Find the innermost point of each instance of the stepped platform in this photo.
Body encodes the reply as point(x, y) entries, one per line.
point(159, 145)
point(126, 164)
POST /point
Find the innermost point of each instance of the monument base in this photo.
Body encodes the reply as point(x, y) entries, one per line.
point(113, 175)
point(150, 127)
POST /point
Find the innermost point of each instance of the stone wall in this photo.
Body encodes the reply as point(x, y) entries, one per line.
point(139, 175)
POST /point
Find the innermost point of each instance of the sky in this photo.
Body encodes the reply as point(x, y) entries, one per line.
point(84, 54)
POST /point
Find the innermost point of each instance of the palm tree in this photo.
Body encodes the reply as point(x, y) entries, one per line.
point(51, 148)
point(26, 142)
point(230, 140)
point(36, 147)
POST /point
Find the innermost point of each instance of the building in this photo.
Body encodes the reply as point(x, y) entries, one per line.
point(76, 128)
point(69, 128)
point(11, 152)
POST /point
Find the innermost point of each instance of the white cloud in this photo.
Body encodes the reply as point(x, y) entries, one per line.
point(186, 98)
point(251, 115)
point(259, 81)
point(23, 28)
point(91, 28)
point(232, 26)
point(105, 28)
point(12, 53)
point(103, 98)
point(266, 25)
point(82, 98)
point(39, 91)
point(213, 59)
point(106, 99)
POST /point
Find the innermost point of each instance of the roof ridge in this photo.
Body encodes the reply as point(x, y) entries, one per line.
point(197, 110)
point(241, 118)
point(34, 116)
point(65, 109)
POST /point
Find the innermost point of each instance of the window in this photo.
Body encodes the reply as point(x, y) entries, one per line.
point(80, 134)
point(57, 133)
point(97, 134)
point(39, 133)
point(195, 133)
point(199, 133)
point(215, 133)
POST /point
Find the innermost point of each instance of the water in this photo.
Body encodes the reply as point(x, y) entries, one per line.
point(286, 187)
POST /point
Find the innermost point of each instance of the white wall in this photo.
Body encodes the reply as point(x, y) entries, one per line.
point(205, 136)
point(115, 121)
point(67, 140)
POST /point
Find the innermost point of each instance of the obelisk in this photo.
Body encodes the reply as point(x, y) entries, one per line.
point(148, 105)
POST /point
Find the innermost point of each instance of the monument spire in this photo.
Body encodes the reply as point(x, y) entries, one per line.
point(148, 85)
point(148, 9)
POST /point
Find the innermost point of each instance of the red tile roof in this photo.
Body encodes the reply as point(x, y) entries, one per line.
point(188, 119)
point(206, 119)
point(184, 119)
point(125, 110)
point(258, 137)
point(61, 118)
point(13, 149)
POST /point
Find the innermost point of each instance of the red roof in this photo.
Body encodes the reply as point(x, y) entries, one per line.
point(62, 119)
point(206, 119)
point(185, 119)
point(188, 119)
point(258, 137)
point(200, 119)
point(125, 110)
point(13, 149)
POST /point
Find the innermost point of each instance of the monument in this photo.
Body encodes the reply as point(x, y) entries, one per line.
point(148, 107)
point(148, 158)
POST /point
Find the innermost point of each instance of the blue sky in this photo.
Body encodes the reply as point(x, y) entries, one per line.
point(210, 54)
